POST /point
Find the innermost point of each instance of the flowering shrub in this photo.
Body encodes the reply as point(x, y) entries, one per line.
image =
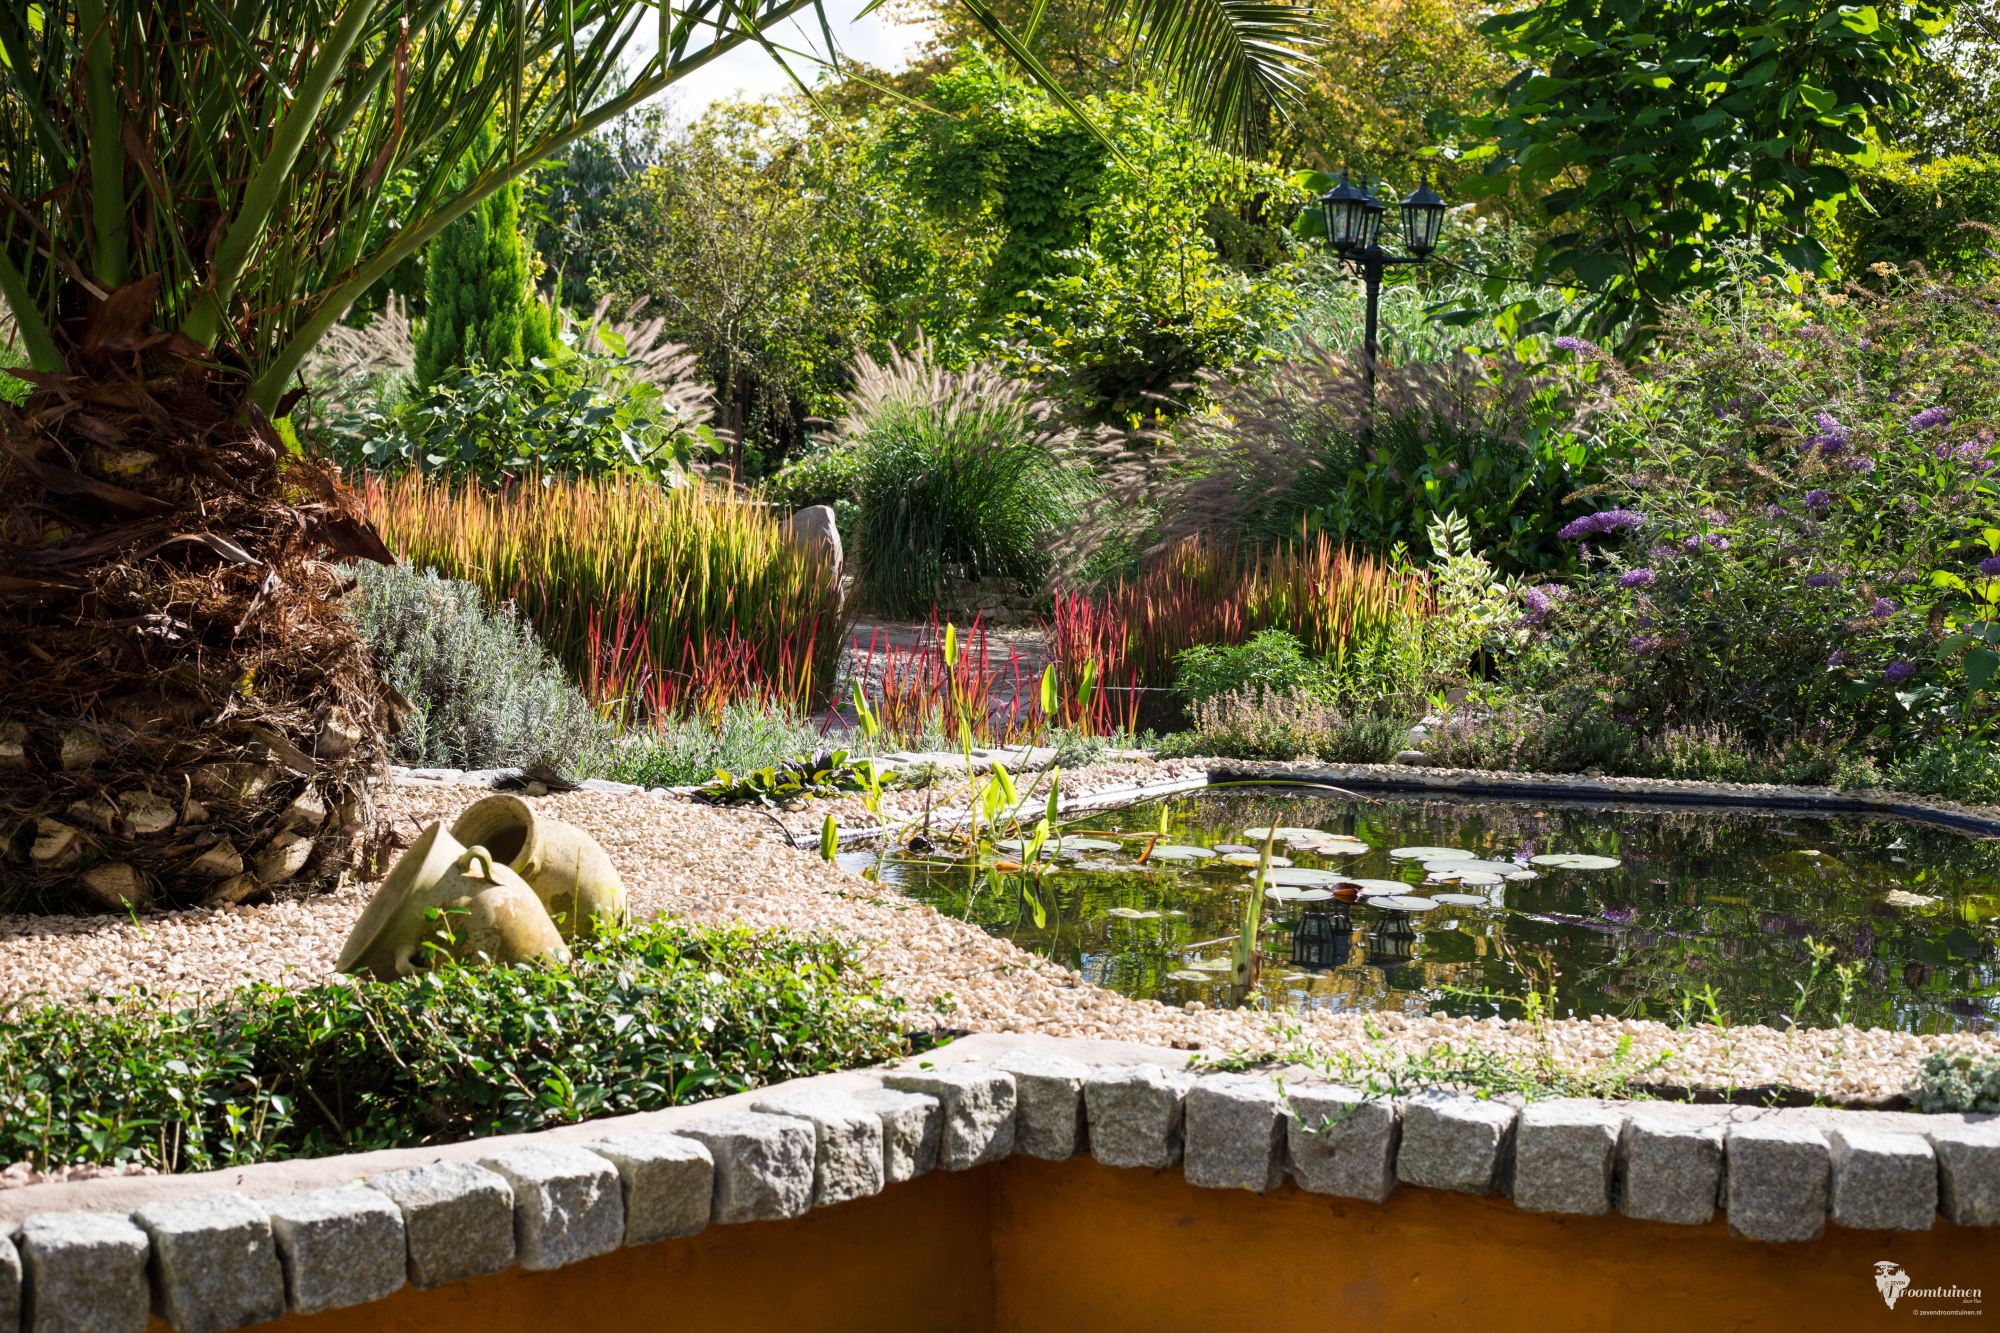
point(1801, 545)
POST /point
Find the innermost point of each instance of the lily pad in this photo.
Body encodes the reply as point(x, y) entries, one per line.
point(1134, 914)
point(1304, 877)
point(1479, 879)
point(1287, 893)
point(1257, 835)
point(1375, 888)
point(1575, 861)
point(1202, 977)
point(1461, 899)
point(1405, 903)
point(1505, 869)
point(1251, 859)
point(1173, 851)
point(1430, 854)
point(1236, 849)
point(1337, 847)
point(1087, 845)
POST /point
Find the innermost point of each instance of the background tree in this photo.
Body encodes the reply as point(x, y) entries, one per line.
point(479, 304)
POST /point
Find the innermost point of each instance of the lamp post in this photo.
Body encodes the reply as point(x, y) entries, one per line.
point(1354, 229)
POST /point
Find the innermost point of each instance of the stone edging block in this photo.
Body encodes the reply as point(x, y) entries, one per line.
point(847, 1151)
point(1341, 1141)
point(1564, 1158)
point(1235, 1133)
point(568, 1204)
point(912, 1131)
point(1968, 1158)
point(458, 1220)
point(338, 1247)
point(667, 1182)
point(1776, 1182)
point(1049, 1120)
point(763, 1165)
point(1454, 1142)
point(1136, 1114)
point(978, 1111)
point(1669, 1172)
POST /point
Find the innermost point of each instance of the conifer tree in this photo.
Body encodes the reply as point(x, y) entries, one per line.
point(479, 306)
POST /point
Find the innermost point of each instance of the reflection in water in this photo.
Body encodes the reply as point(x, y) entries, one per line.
point(1700, 904)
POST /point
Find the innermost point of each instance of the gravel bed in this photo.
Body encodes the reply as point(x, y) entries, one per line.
point(716, 865)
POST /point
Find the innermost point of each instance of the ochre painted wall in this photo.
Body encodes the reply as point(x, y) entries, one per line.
point(1046, 1247)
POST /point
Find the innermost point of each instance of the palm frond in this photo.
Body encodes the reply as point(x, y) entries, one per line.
point(1232, 64)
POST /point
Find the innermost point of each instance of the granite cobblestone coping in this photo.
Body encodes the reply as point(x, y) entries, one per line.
point(233, 1249)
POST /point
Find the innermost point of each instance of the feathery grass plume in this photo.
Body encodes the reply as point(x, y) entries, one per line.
point(964, 475)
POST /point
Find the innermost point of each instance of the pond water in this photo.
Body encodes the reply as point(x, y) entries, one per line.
point(1665, 914)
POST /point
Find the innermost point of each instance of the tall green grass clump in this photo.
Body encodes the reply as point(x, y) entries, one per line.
point(664, 600)
point(483, 692)
point(963, 475)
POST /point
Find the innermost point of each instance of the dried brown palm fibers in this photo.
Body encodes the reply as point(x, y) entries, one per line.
point(185, 714)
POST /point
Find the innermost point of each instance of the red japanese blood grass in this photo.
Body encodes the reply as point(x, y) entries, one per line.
point(658, 600)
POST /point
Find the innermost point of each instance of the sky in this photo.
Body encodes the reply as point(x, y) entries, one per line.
point(881, 39)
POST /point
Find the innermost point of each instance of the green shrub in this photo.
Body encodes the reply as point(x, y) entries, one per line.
point(1275, 724)
point(483, 691)
point(1531, 740)
point(1940, 214)
point(827, 475)
point(1271, 660)
point(1957, 1080)
point(964, 475)
point(1964, 768)
point(660, 1015)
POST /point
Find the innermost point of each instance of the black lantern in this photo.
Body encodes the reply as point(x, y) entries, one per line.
point(1346, 209)
point(1322, 939)
point(1423, 218)
point(1392, 943)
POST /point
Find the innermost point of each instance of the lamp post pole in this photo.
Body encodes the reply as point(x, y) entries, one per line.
point(1354, 228)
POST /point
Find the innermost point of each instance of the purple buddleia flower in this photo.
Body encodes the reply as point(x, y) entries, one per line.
point(1990, 566)
point(1661, 553)
point(1898, 671)
point(1715, 541)
point(1861, 463)
point(1826, 578)
point(1638, 578)
point(1819, 501)
point(1567, 343)
point(1838, 658)
point(1929, 418)
point(1774, 511)
point(1600, 524)
point(1645, 645)
point(1832, 437)
point(1883, 609)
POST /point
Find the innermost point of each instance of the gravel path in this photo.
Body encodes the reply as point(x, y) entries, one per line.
point(705, 864)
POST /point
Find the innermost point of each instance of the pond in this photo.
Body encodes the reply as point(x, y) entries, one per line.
point(1664, 914)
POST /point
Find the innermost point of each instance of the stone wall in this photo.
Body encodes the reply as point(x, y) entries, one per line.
point(1569, 1194)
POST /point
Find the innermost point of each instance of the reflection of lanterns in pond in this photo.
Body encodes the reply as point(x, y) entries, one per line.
point(1392, 942)
point(1321, 939)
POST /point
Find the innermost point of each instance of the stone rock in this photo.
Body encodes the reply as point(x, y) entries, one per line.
point(912, 1130)
point(215, 1265)
point(668, 1182)
point(1669, 1172)
point(763, 1165)
point(1775, 1180)
point(1563, 1158)
point(1235, 1133)
point(813, 530)
point(568, 1205)
point(1968, 1158)
point(1342, 1141)
point(1882, 1180)
point(457, 1218)
point(847, 1150)
point(1453, 1142)
point(10, 1286)
point(84, 1273)
point(1048, 1114)
point(1137, 1114)
point(1413, 758)
point(338, 1247)
point(978, 1108)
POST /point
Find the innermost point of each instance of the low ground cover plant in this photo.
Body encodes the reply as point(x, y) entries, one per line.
point(660, 1015)
point(1286, 725)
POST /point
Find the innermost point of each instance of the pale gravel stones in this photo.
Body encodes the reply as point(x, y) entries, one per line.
point(912, 1131)
point(1342, 1141)
point(1775, 1180)
point(1048, 1116)
point(1136, 1115)
point(1451, 1142)
point(763, 1165)
point(1968, 1158)
point(1669, 1172)
point(1882, 1180)
point(458, 1220)
point(85, 1273)
point(214, 1265)
point(1234, 1129)
point(978, 1111)
point(1564, 1157)
point(847, 1150)
point(668, 1184)
point(338, 1247)
point(568, 1205)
